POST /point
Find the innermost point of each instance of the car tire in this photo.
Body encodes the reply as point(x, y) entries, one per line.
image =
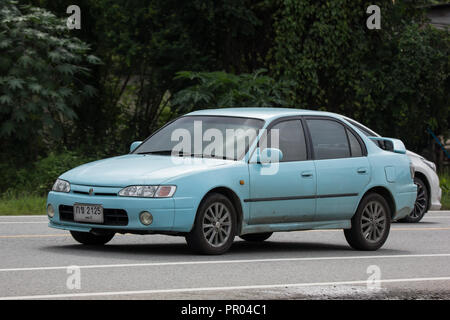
point(88, 238)
point(215, 226)
point(370, 224)
point(256, 237)
point(421, 204)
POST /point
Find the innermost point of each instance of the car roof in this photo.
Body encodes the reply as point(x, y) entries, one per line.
point(259, 113)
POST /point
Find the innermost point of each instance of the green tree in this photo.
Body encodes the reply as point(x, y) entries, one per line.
point(395, 80)
point(221, 89)
point(41, 79)
point(144, 43)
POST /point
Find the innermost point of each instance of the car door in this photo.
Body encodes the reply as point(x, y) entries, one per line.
point(342, 167)
point(287, 195)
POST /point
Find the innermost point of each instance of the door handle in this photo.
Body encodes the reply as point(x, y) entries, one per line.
point(362, 170)
point(307, 174)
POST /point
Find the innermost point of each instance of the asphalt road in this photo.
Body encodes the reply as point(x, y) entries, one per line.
point(413, 264)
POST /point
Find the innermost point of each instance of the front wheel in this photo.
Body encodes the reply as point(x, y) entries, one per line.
point(421, 204)
point(90, 238)
point(370, 225)
point(215, 226)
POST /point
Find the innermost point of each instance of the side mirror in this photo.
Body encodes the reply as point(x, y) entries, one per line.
point(390, 144)
point(134, 145)
point(269, 155)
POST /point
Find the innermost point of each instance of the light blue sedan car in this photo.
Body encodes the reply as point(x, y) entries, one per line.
point(212, 175)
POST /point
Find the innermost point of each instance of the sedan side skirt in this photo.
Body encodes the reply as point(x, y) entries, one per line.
point(296, 226)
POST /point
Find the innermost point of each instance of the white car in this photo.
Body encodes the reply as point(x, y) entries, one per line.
point(428, 190)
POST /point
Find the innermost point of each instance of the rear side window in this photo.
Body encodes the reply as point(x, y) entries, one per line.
point(291, 140)
point(329, 139)
point(363, 130)
point(355, 146)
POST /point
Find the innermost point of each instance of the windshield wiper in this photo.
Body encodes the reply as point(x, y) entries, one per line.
point(185, 154)
point(163, 152)
point(218, 157)
point(211, 156)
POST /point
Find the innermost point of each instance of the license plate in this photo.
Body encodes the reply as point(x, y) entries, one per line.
point(92, 213)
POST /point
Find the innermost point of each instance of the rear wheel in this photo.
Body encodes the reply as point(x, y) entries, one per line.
point(215, 226)
point(256, 237)
point(421, 204)
point(90, 238)
point(371, 223)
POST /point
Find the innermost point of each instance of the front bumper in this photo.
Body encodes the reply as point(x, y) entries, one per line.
point(436, 197)
point(163, 210)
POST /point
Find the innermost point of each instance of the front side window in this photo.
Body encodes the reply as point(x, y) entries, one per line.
point(291, 140)
point(329, 139)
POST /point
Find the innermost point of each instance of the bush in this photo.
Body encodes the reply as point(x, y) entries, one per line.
point(221, 89)
point(43, 78)
point(444, 178)
point(38, 179)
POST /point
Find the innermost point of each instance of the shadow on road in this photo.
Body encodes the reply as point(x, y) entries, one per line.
point(241, 249)
point(421, 223)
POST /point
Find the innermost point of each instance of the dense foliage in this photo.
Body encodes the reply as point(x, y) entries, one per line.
point(41, 79)
point(221, 89)
point(395, 80)
point(162, 58)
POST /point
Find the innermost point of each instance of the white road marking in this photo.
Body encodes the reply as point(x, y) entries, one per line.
point(436, 217)
point(202, 262)
point(25, 216)
point(46, 222)
point(22, 222)
point(249, 287)
point(27, 236)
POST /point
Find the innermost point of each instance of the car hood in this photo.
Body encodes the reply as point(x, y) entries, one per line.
point(136, 169)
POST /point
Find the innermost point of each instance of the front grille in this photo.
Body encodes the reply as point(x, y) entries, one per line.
point(112, 217)
point(97, 193)
point(81, 192)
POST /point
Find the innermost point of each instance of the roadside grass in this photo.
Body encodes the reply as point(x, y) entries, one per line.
point(22, 205)
point(444, 178)
point(445, 202)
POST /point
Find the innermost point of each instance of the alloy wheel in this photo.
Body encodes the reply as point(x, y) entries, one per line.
point(217, 224)
point(373, 221)
point(421, 202)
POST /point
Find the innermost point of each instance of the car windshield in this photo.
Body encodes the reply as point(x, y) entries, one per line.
point(204, 136)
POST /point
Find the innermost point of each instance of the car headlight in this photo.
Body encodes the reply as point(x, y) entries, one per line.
point(61, 186)
point(148, 191)
point(432, 165)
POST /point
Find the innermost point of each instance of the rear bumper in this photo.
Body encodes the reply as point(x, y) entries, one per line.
point(404, 203)
point(163, 210)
